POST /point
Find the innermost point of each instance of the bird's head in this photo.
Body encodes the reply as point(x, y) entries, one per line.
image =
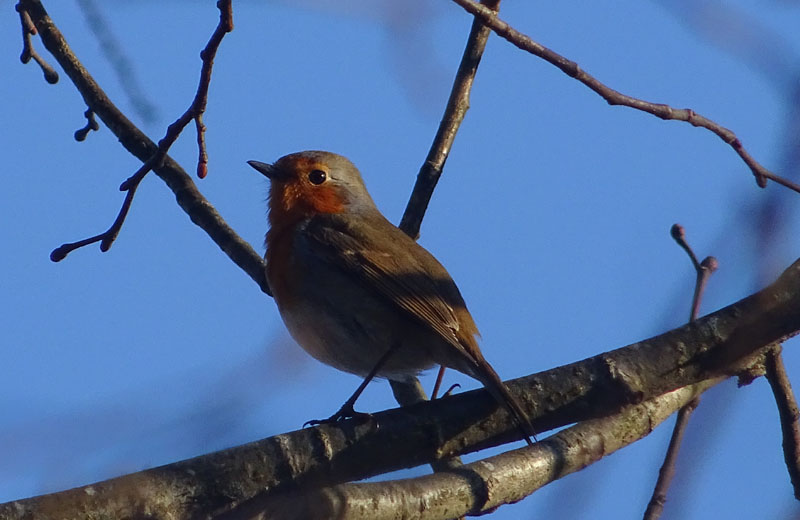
point(304, 184)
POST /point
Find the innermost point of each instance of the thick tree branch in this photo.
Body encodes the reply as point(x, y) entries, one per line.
point(481, 486)
point(612, 97)
point(721, 343)
point(189, 198)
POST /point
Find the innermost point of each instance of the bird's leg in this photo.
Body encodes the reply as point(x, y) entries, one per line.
point(438, 384)
point(347, 411)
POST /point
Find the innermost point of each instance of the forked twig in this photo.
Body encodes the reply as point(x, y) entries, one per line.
point(667, 470)
point(612, 97)
point(703, 269)
point(194, 112)
point(187, 196)
point(91, 124)
point(28, 52)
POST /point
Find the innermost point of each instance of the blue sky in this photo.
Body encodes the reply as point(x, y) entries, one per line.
point(553, 216)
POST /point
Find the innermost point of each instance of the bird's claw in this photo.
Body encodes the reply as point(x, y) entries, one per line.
point(450, 390)
point(345, 412)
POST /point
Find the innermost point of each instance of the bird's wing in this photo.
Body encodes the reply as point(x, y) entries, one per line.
point(386, 260)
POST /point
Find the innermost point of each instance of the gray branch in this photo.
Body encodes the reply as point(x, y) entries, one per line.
point(481, 486)
point(720, 344)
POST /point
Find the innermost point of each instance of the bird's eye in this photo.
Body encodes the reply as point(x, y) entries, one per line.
point(317, 176)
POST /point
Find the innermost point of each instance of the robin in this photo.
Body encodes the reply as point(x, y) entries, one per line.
point(355, 291)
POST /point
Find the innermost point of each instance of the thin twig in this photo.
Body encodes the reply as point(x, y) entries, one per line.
point(202, 154)
point(188, 197)
point(703, 269)
point(28, 52)
point(454, 112)
point(91, 124)
point(788, 412)
point(757, 46)
point(174, 130)
point(612, 97)
point(667, 471)
point(107, 237)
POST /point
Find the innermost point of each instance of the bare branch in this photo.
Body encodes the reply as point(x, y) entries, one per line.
point(788, 412)
point(174, 130)
point(612, 97)
point(667, 472)
point(333, 454)
point(137, 143)
point(107, 237)
point(703, 269)
point(481, 486)
point(454, 112)
point(28, 52)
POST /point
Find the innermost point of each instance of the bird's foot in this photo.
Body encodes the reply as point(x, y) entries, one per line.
point(450, 390)
point(345, 412)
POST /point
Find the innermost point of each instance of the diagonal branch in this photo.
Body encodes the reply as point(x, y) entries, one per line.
point(612, 97)
point(194, 112)
point(454, 112)
point(189, 198)
point(721, 343)
point(788, 412)
point(667, 470)
point(479, 487)
point(28, 52)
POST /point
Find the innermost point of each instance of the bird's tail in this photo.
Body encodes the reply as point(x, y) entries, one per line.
point(486, 375)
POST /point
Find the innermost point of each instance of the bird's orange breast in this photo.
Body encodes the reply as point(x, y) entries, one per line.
point(280, 269)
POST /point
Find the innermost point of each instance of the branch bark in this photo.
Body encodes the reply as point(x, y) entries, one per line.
point(479, 487)
point(721, 343)
point(718, 344)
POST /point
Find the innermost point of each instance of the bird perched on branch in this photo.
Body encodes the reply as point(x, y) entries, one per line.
point(355, 291)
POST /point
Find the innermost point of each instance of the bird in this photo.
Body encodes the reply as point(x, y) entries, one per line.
point(355, 291)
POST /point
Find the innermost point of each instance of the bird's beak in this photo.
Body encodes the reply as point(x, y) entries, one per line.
point(267, 170)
